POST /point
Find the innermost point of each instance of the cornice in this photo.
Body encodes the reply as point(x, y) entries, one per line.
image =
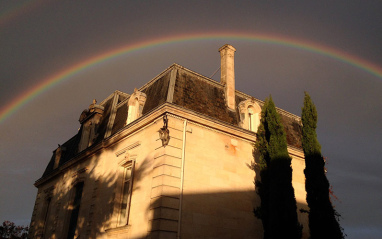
point(151, 118)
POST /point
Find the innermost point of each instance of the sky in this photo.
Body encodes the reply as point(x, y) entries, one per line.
point(57, 56)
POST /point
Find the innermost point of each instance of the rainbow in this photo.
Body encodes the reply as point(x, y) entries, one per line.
point(19, 9)
point(53, 80)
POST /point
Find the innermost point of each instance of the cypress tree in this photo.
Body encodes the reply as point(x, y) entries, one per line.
point(278, 210)
point(323, 219)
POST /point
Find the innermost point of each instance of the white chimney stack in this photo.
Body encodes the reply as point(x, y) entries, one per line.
point(227, 76)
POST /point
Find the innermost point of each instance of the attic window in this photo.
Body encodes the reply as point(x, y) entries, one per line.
point(133, 112)
point(249, 115)
point(136, 102)
point(253, 119)
point(58, 155)
point(90, 120)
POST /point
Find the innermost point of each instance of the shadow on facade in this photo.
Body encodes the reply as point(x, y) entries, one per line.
point(217, 213)
point(96, 206)
point(211, 215)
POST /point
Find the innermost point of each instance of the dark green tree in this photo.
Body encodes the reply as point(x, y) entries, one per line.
point(323, 219)
point(278, 210)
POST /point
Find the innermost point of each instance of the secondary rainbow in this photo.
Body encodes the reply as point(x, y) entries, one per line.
point(53, 80)
point(19, 9)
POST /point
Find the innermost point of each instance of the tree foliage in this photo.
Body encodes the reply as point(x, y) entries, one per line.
point(10, 230)
point(323, 219)
point(278, 210)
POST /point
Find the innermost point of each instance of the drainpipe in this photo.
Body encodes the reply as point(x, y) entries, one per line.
point(182, 177)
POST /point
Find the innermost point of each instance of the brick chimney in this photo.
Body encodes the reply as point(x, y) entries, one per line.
point(227, 75)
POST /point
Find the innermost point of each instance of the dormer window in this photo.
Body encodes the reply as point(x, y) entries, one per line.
point(133, 112)
point(136, 102)
point(58, 155)
point(253, 119)
point(249, 115)
point(90, 119)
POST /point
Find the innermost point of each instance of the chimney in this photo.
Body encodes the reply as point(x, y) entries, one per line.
point(227, 75)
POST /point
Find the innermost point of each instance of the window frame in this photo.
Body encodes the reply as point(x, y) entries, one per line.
point(250, 113)
point(123, 217)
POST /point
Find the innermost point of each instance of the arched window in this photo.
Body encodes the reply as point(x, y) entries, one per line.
point(133, 111)
point(249, 115)
point(136, 102)
point(253, 119)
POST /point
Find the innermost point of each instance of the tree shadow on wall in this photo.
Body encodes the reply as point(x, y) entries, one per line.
point(97, 207)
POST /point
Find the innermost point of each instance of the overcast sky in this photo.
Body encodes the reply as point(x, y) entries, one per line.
point(38, 39)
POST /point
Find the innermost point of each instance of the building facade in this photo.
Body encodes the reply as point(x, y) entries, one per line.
point(172, 160)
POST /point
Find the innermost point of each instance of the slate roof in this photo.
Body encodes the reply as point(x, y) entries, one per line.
point(191, 91)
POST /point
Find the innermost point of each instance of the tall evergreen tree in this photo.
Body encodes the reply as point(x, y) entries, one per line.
point(323, 221)
point(278, 210)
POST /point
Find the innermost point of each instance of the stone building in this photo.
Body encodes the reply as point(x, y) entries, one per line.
point(171, 160)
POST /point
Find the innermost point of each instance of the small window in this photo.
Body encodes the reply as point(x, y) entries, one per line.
point(126, 193)
point(253, 120)
point(250, 112)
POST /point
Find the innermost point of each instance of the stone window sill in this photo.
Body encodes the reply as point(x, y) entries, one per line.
point(117, 230)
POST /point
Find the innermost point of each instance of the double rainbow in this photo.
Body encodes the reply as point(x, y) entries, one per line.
point(53, 80)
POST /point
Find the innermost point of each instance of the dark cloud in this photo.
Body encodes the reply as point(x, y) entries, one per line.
point(54, 35)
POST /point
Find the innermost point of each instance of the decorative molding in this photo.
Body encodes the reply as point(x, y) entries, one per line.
point(127, 161)
point(79, 171)
point(244, 113)
point(150, 118)
point(209, 128)
point(131, 146)
point(164, 133)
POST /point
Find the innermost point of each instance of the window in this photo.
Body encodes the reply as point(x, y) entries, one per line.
point(133, 111)
point(249, 114)
point(45, 214)
point(126, 193)
point(136, 102)
point(253, 119)
point(75, 210)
